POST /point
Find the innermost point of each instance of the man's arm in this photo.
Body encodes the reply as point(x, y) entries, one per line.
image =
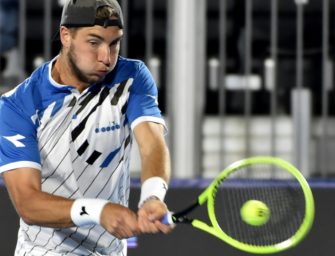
point(155, 161)
point(153, 150)
point(36, 207)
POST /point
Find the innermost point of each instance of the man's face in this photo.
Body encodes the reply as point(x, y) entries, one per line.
point(92, 52)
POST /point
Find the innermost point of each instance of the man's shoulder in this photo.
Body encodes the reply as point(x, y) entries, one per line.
point(23, 94)
point(39, 76)
point(130, 64)
point(130, 61)
point(36, 80)
point(127, 68)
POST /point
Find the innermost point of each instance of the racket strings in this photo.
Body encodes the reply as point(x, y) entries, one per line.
point(283, 197)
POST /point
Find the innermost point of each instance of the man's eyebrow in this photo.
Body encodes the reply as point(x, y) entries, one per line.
point(96, 36)
point(117, 39)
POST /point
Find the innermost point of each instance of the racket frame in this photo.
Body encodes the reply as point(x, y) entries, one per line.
point(208, 195)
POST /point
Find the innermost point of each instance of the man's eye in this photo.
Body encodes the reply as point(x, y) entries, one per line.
point(115, 43)
point(93, 43)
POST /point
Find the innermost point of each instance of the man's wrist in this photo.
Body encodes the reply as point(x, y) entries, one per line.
point(153, 188)
point(86, 211)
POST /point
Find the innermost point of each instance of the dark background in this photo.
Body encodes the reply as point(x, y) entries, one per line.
point(235, 38)
point(185, 240)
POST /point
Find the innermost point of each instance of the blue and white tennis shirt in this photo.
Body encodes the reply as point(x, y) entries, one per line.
point(80, 142)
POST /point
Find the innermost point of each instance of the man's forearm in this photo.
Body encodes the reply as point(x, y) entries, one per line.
point(157, 163)
point(43, 209)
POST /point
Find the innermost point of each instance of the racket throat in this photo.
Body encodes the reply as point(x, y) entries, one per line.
point(180, 217)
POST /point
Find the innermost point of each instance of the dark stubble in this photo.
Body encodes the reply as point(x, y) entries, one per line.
point(72, 58)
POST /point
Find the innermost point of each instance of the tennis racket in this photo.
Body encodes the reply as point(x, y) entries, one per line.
point(259, 215)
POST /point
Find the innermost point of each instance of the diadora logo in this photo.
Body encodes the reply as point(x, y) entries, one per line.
point(16, 140)
point(110, 128)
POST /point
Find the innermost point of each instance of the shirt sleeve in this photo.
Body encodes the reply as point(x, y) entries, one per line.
point(143, 99)
point(18, 144)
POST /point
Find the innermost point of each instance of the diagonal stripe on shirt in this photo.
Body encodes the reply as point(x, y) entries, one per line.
point(45, 179)
point(93, 157)
point(118, 93)
point(83, 147)
point(89, 97)
point(81, 126)
point(56, 129)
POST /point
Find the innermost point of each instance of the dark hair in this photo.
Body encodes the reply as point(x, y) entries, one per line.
point(106, 12)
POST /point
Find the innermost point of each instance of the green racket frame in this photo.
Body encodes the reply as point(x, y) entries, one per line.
point(215, 230)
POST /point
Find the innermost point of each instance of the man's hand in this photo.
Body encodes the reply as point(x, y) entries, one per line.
point(119, 221)
point(150, 215)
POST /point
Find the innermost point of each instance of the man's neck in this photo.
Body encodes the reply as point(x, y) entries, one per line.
point(62, 73)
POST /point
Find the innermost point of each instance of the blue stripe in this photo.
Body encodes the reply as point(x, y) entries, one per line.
point(109, 158)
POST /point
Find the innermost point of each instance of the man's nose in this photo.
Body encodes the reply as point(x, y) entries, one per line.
point(105, 55)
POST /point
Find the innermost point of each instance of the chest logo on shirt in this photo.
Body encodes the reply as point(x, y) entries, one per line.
point(100, 125)
point(109, 128)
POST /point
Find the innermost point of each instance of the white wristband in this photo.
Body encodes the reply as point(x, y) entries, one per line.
point(85, 211)
point(154, 187)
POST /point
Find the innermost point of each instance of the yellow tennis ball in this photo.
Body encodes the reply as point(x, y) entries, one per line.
point(255, 213)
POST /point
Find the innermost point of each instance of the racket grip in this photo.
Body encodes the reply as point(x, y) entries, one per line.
point(167, 219)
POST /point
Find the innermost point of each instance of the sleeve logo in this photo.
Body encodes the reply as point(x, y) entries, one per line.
point(153, 97)
point(16, 140)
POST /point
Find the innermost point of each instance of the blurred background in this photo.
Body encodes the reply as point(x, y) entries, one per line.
point(236, 78)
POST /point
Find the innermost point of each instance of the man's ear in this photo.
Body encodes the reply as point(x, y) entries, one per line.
point(65, 36)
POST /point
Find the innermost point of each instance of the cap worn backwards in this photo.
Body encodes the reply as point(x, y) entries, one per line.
point(82, 13)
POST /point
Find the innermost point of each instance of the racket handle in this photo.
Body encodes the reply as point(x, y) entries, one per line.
point(167, 219)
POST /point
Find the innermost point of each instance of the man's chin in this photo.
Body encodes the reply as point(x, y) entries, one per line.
point(95, 79)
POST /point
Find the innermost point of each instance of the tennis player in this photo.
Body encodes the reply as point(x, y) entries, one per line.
point(65, 141)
